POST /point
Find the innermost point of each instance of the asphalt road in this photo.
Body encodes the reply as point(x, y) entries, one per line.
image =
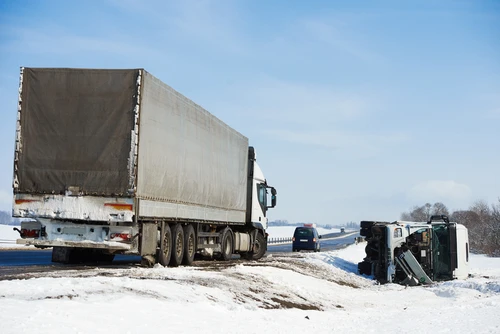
point(23, 262)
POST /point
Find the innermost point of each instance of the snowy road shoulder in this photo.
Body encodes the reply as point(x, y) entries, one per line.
point(314, 291)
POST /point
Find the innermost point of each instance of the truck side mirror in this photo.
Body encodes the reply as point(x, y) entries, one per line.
point(273, 197)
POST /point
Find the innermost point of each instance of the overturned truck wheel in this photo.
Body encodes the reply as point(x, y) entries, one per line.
point(365, 268)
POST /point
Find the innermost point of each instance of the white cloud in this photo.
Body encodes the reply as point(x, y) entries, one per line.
point(319, 106)
point(351, 143)
point(447, 191)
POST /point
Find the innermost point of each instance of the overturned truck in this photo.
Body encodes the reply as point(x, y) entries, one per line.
point(412, 253)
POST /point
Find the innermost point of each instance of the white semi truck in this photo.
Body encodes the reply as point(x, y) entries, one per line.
point(116, 162)
point(412, 253)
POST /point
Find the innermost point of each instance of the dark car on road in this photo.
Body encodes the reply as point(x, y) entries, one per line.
point(306, 238)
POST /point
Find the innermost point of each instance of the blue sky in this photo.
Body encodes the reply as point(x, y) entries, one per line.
point(357, 109)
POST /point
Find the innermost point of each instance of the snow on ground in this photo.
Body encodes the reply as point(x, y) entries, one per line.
point(300, 293)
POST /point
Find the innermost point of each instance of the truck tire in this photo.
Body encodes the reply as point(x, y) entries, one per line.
point(177, 245)
point(365, 268)
point(259, 248)
point(189, 245)
point(226, 245)
point(366, 224)
point(365, 232)
point(165, 245)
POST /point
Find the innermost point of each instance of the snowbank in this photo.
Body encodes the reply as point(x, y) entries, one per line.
point(313, 292)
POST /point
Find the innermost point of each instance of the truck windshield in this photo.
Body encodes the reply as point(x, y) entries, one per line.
point(441, 252)
point(262, 195)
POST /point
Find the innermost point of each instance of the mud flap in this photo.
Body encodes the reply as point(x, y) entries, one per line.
point(149, 242)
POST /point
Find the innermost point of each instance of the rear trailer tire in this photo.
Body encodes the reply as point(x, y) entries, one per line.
point(226, 245)
point(189, 245)
point(177, 245)
point(165, 245)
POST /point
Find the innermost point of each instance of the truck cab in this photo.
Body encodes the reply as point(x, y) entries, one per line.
point(412, 253)
point(261, 196)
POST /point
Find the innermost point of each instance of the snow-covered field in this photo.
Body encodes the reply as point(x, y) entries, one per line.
point(299, 293)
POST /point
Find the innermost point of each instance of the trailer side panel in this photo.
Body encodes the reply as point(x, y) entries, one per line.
point(191, 165)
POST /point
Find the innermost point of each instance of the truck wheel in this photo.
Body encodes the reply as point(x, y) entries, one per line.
point(365, 224)
point(165, 245)
point(365, 268)
point(364, 232)
point(177, 245)
point(259, 249)
point(226, 245)
point(189, 245)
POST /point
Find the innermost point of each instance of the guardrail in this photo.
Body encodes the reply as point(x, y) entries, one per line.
point(275, 241)
point(7, 241)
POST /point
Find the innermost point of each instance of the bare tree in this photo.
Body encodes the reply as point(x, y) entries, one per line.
point(495, 211)
point(417, 214)
point(440, 209)
point(469, 219)
point(484, 231)
point(495, 229)
point(424, 212)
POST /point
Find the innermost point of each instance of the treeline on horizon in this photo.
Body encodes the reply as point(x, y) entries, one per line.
point(7, 219)
point(281, 222)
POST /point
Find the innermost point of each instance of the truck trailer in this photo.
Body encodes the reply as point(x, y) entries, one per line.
point(114, 161)
point(413, 253)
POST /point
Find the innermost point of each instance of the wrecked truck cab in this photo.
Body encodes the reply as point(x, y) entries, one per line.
point(412, 253)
